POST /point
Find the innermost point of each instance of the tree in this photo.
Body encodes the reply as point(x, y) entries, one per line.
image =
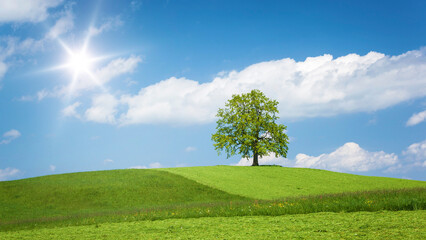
point(247, 126)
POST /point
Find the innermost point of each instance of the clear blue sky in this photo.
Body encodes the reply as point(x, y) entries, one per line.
point(95, 85)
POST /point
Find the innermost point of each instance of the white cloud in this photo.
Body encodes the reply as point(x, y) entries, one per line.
point(348, 158)
point(102, 75)
point(414, 156)
point(36, 10)
point(416, 153)
point(190, 149)
point(3, 69)
point(26, 11)
point(318, 86)
point(8, 173)
point(138, 167)
point(155, 165)
point(12, 134)
point(176, 100)
point(14, 45)
point(40, 95)
point(117, 67)
point(110, 24)
point(70, 111)
point(103, 109)
point(108, 161)
point(417, 118)
point(52, 168)
point(265, 160)
point(151, 165)
point(9, 136)
point(64, 24)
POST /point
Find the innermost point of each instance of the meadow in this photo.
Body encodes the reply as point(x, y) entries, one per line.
point(274, 182)
point(357, 225)
point(58, 204)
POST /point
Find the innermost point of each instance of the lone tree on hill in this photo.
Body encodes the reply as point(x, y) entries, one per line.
point(247, 126)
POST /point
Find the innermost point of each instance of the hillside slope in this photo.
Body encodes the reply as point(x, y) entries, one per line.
point(100, 192)
point(278, 182)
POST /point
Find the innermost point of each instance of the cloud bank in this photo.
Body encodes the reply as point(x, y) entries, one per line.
point(352, 158)
point(319, 86)
point(348, 158)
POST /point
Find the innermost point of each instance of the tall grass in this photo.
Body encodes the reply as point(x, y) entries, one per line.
point(393, 200)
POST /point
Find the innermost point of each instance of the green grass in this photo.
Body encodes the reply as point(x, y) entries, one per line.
point(405, 199)
point(359, 225)
point(100, 192)
point(93, 198)
point(277, 182)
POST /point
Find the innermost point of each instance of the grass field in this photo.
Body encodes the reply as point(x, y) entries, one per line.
point(131, 196)
point(358, 225)
point(101, 192)
point(278, 182)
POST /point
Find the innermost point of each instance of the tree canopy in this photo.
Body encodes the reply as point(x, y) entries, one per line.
point(247, 126)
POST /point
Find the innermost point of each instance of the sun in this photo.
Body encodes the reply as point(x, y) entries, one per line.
point(81, 65)
point(79, 62)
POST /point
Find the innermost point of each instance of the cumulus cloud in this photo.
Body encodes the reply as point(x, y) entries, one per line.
point(416, 153)
point(103, 109)
point(26, 11)
point(318, 86)
point(417, 118)
point(70, 111)
point(265, 160)
point(348, 158)
point(9, 136)
point(352, 158)
point(8, 173)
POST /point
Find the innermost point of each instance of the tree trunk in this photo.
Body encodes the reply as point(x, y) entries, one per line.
point(255, 159)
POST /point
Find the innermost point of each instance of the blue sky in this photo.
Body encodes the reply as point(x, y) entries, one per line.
point(96, 85)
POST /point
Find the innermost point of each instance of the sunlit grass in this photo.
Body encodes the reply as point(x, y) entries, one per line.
point(364, 225)
point(393, 200)
point(91, 198)
point(268, 182)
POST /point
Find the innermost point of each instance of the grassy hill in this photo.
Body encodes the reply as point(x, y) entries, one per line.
point(101, 192)
point(91, 198)
point(278, 182)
